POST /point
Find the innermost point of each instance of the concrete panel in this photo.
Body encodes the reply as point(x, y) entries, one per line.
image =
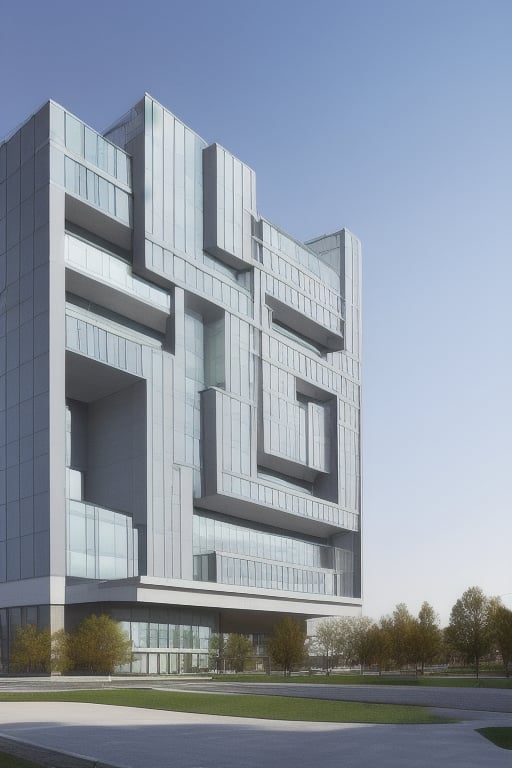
point(13, 571)
point(3, 161)
point(116, 451)
point(227, 207)
point(27, 140)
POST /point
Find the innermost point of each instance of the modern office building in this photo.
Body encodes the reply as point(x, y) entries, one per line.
point(179, 393)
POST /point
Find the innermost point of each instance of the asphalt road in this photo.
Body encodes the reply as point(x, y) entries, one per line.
point(472, 699)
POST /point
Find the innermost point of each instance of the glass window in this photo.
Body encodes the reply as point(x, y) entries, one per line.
point(111, 159)
point(141, 640)
point(70, 175)
point(91, 146)
point(122, 166)
point(102, 153)
point(120, 535)
point(82, 180)
point(103, 196)
point(107, 567)
point(106, 538)
point(153, 635)
point(122, 205)
point(74, 135)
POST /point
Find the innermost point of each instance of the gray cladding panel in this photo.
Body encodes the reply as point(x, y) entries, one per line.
point(24, 344)
point(229, 203)
point(116, 451)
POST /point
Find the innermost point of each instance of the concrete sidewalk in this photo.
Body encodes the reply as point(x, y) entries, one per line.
point(126, 737)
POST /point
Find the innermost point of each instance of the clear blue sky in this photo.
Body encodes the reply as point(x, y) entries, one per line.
point(392, 118)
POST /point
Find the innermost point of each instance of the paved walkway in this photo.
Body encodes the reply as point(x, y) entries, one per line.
point(140, 738)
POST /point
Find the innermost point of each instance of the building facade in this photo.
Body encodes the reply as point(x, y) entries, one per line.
point(179, 393)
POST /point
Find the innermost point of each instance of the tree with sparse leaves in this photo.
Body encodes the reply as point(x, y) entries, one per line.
point(380, 643)
point(61, 659)
point(329, 640)
point(216, 651)
point(427, 636)
point(501, 631)
point(469, 630)
point(30, 650)
point(401, 631)
point(237, 650)
point(286, 647)
point(99, 644)
point(361, 644)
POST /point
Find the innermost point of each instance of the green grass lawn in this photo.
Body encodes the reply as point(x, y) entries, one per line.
point(9, 761)
point(267, 707)
point(502, 737)
point(443, 682)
